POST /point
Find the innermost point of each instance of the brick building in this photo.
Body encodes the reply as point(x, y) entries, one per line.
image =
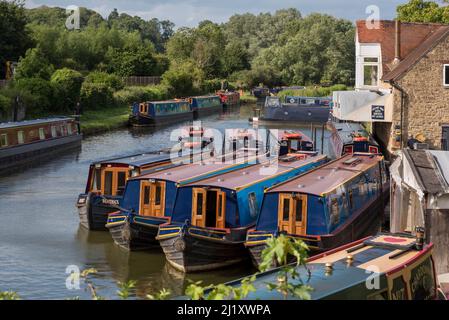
point(402, 83)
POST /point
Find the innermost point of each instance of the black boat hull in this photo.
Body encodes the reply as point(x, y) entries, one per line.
point(93, 213)
point(296, 113)
point(189, 253)
point(143, 121)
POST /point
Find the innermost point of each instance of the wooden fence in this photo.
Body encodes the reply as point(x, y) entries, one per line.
point(142, 81)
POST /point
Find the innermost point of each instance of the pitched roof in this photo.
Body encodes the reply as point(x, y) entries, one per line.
point(412, 36)
point(410, 60)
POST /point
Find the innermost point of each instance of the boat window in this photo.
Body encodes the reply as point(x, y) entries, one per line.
point(157, 197)
point(335, 212)
point(97, 180)
point(108, 183)
point(41, 133)
point(121, 182)
point(199, 204)
point(69, 128)
point(54, 134)
point(220, 206)
point(351, 199)
point(4, 140)
point(20, 137)
point(298, 211)
point(286, 209)
point(252, 204)
point(146, 195)
point(63, 131)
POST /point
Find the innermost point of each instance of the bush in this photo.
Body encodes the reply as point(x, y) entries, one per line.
point(313, 91)
point(129, 95)
point(183, 79)
point(27, 99)
point(42, 90)
point(34, 65)
point(111, 80)
point(96, 95)
point(5, 104)
point(67, 84)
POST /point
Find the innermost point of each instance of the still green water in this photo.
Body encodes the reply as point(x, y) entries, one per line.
point(40, 236)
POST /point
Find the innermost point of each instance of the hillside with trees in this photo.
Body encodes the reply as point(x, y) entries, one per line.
point(58, 67)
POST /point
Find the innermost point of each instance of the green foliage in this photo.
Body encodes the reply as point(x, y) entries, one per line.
point(67, 84)
point(41, 89)
point(34, 65)
point(26, 98)
point(423, 11)
point(163, 294)
point(14, 39)
point(96, 95)
point(129, 95)
point(9, 295)
point(111, 80)
point(125, 289)
point(5, 104)
point(279, 250)
point(313, 91)
point(183, 79)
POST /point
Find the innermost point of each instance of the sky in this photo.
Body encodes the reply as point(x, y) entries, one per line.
point(190, 12)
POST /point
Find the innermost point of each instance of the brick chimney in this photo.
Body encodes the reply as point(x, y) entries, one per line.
point(397, 44)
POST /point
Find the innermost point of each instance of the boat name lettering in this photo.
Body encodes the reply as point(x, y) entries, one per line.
point(112, 202)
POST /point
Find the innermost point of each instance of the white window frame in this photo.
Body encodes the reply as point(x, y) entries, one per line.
point(20, 137)
point(41, 134)
point(445, 81)
point(54, 133)
point(4, 135)
point(69, 129)
point(370, 64)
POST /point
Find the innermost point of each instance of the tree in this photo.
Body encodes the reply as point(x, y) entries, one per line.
point(67, 83)
point(34, 65)
point(423, 11)
point(14, 36)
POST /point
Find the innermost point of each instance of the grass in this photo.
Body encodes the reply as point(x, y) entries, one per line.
point(247, 98)
point(104, 119)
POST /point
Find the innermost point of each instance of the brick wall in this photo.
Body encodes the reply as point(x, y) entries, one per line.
point(427, 100)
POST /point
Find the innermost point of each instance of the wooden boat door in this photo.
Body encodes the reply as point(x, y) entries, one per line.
point(221, 209)
point(292, 214)
point(152, 198)
point(114, 181)
point(199, 207)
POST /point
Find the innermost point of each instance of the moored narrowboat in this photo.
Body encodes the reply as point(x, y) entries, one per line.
point(308, 110)
point(382, 267)
point(229, 98)
point(155, 113)
point(205, 105)
point(149, 199)
point(210, 217)
point(337, 203)
point(349, 138)
point(25, 141)
point(291, 141)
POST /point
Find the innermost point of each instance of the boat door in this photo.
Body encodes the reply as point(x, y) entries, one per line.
point(114, 181)
point(152, 197)
point(292, 215)
point(199, 207)
point(221, 209)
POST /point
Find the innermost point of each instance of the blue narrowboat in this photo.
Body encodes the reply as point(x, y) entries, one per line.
point(205, 105)
point(334, 204)
point(349, 138)
point(155, 113)
point(149, 199)
point(210, 217)
point(296, 109)
point(383, 267)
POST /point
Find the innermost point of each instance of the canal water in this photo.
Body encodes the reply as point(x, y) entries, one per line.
point(41, 240)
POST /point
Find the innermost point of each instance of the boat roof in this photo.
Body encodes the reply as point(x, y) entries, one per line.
point(328, 177)
point(189, 171)
point(13, 124)
point(244, 177)
point(385, 252)
point(206, 96)
point(167, 101)
point(347, 129)
point(137, 159)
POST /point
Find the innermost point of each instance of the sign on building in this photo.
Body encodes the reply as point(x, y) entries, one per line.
point(377, 112)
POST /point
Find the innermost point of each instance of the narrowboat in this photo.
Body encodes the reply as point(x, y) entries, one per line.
point(382, 267)
point(350, 138)
point(211, 217)
point(149, 199)
point(303, 110)
point(291, 141)
point(205, 105)
point(25, 141)
point(229, 98)
point(334, 204)
point(155, 113)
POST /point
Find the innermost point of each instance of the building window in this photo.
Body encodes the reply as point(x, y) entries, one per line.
point(370, 71)
point(4, 140)
point(20, 137)
point(446, 75)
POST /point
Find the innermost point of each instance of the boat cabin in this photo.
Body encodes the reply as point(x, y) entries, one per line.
point(204, 102)
point(31, 131)
point(309, 101)
point(292, 141)
point(347, 138)
point(229, 98)
point(395, 265)
point(336, 203)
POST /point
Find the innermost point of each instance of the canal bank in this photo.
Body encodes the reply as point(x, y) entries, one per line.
point(34, 260)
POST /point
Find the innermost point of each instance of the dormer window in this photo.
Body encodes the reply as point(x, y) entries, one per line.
point(446, 75)
point(370, 71)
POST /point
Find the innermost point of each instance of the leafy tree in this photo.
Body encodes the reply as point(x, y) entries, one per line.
point(34, 65)
point(183, 79)
point(41, 89)
point(111, 80)
point(14, 39)
point(423, 11)
point(67, 83)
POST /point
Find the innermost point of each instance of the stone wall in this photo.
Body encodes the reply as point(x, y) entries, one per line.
point(427, 100)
